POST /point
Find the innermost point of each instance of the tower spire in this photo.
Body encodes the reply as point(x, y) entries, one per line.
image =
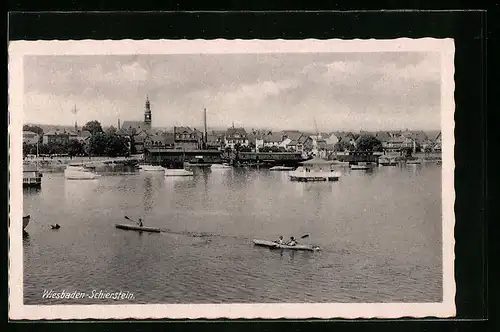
point(147, 113)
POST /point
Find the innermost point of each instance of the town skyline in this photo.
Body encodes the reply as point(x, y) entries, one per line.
point(341, 91)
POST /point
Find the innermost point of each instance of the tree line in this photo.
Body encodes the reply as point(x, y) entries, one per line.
point(100, 143)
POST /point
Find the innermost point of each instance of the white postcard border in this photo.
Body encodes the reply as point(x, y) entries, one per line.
point(17, 309)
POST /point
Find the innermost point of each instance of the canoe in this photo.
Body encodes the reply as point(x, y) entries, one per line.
point(274, 245)
point(138, 228)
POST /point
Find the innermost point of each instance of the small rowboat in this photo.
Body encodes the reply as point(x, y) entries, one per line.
point(274, 245)
point(138, 228)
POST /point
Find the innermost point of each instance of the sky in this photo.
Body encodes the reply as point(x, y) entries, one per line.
point(338, 91)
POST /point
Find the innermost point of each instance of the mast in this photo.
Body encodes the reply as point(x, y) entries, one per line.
point(316, 127)
point(37, 153)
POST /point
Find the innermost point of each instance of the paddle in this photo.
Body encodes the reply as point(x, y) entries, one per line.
point(304, 236)
point(131, 220)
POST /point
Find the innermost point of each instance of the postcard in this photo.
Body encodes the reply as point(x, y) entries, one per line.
point(205, 179)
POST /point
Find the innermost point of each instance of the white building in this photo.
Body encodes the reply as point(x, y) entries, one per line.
point(30, 137)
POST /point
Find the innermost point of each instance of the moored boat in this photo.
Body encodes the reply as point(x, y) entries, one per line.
point(315, 169)
point(220, 166)
point(79, 172)
point(274, 245)
point(387, 162)
point(151, 168)
point(178, 172)
point(26, 221)
point(413, 162)
point(359, 167)
point(138, 228)
point(282, 168)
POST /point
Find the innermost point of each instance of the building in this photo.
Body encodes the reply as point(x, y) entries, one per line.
point(81, 136)
point(30, 137)
point(332, 139)
point(56, 137)
point(186, 138)
point(437, 144)
point(163, 140)
point(273, 139)
point(319, 145)
point(235, 136)
point(137, 131)
point(214, 141)
point(397, 144)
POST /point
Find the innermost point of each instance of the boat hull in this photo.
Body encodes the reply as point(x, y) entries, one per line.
point(178, 172)
point(274, 245)
point(281, 168)
point(151, 168)
point(360, 168)
point(138, 228)
point(220, 166)
point(26, 221)
point(303, 176)
point(79, 173)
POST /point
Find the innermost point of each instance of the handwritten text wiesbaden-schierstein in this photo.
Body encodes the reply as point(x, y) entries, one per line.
point(95, 294)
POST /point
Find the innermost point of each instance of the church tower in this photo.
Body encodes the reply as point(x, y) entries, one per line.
point(147, 114)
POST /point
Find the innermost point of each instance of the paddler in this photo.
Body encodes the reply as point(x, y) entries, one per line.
point(280, 240)
point(292, 241)
point(140, 222)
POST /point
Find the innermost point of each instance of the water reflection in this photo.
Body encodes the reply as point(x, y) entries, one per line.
point(148, 194)
point(179, 182)
point(78, 190)
point(32, 191)
point(26, 238)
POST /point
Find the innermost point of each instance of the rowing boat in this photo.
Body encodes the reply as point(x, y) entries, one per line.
point(138, 228)
point(274, 245)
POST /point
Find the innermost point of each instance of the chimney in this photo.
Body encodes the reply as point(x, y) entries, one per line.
point(205, 125)
point(118, 123)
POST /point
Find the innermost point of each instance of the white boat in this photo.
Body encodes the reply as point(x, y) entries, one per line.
point(151, 168)
point(282, 168)
point(220, 166)
point(178, 172)
point(413, 162)
point(359, 167)
point(78, 172)
point(387, 162)
point(316, 169)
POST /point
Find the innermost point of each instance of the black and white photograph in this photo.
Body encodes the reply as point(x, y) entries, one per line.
point(231, 178)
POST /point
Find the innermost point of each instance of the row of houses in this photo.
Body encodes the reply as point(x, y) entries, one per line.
point(56, 136)
point(187, 138)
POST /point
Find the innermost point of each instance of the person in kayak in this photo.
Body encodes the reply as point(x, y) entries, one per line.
point(280, 240)
point(292, 242)
point(140, 222)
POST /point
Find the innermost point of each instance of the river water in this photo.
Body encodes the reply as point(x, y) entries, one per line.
point(380, 234)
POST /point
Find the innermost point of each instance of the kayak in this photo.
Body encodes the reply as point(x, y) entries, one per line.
point(274, 245)
point(138, 228)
